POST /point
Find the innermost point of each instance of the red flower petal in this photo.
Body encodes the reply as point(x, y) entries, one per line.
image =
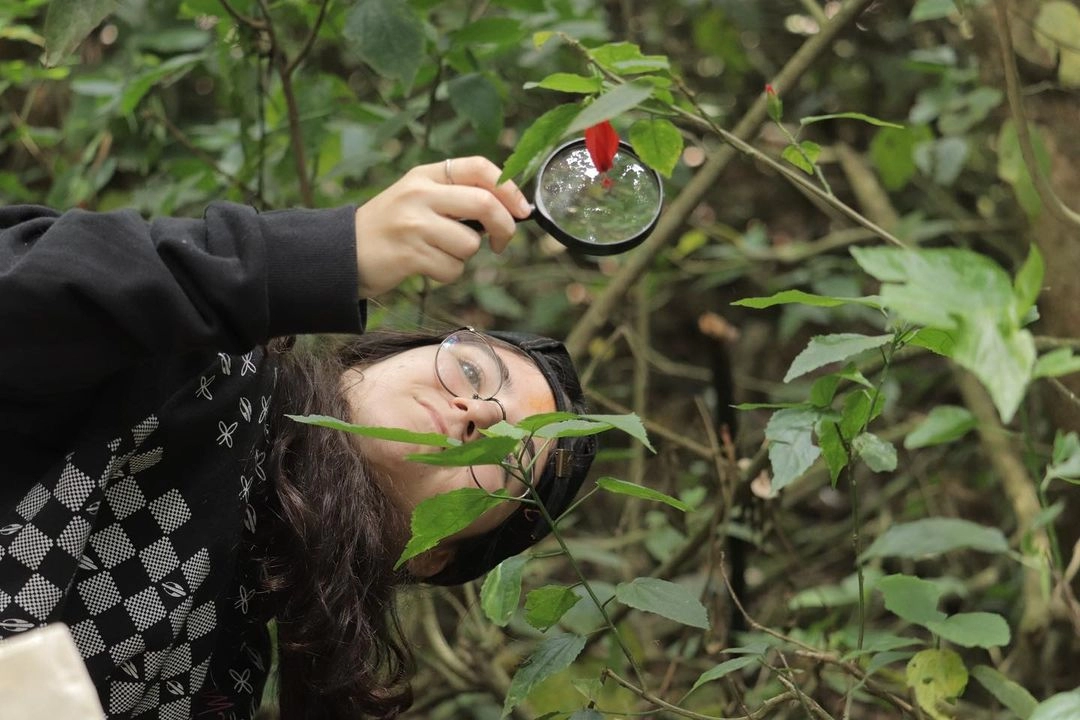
point(602, 142)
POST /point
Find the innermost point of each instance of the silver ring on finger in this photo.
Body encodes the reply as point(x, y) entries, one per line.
point(446, 169)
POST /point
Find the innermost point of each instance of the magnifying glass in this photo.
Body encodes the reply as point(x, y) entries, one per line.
point(591, 212)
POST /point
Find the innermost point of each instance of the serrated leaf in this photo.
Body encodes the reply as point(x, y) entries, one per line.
point(379, 433)
point(545, 606)
point(1028, 283)
point(624, 58)
point(938, 678)
point(501, 591)
point(658, 143)
point(537, 140)
point(485, 451)
point(1065, 460)
point(832, 449)
point(1056, 363)
point(1007, 692)
point(663, 598)
point(973, 629)
point(388, 36)
point(879, 455)
point(869, 119)
point(442, 515)
point(622, 487)
point(825, 349)
point(553, 655)
point(725, 668)
point(569, 83)
point(629, 423)
point(68, 22)
point(535, 422)
point(857, 413)
point(791, 444)
point(943, 424)
point(823, 390)
point(935, 536)
point(612, 104)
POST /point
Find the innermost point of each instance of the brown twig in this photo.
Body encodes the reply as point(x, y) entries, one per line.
point(242, 19)
point(182, 138)
point(1046, 193)
point(765, 707)
point(310, 41)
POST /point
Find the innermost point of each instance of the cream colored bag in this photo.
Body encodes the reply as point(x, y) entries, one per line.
point(43, 676)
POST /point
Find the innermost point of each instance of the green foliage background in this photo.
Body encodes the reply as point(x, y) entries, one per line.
point(901, 527)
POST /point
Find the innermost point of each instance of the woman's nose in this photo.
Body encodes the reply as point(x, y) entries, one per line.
point(478, 413)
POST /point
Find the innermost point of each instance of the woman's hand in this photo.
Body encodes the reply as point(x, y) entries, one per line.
point(412, 226)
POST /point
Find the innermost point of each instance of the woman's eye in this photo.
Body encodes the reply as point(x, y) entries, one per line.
point(473, 374)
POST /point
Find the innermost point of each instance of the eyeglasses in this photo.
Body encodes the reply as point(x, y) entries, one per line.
point(467, 366)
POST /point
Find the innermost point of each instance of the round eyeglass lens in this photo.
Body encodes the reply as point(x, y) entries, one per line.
point(600, 210)
point(468, 367)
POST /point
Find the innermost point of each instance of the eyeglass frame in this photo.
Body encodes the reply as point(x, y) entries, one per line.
point(474, 335)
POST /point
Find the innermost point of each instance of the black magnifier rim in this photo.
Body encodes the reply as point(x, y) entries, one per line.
point(543, 219)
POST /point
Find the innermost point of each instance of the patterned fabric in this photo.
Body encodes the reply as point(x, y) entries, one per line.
point(142, 542)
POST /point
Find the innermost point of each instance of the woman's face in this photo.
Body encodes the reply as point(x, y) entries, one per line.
point(403, 391)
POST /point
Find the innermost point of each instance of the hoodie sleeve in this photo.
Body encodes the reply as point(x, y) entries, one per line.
point(83, 294)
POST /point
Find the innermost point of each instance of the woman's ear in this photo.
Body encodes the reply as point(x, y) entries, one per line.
point(431, 562)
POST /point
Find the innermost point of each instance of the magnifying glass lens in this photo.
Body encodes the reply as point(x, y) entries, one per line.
point(599, 209)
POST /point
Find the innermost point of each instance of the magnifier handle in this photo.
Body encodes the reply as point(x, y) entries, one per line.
point(479, 226)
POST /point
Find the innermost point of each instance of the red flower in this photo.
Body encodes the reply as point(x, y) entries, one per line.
point(602, 142)
point(769, 89)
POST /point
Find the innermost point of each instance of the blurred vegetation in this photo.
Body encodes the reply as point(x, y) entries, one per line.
point(906, 544)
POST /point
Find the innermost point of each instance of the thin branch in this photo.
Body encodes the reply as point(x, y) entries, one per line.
point(310, 41)
point(1065, 391)
point(241, 19)
point(765, 707)
point(179, 135)
point(1046, 193)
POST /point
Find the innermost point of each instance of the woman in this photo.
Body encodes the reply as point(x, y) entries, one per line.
point(155, 498)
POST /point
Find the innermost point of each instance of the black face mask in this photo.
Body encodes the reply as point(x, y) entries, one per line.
point(557, 485)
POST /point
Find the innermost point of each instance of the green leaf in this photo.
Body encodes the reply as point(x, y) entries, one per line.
point(786, 297)
point(388, 36)
point(569, 83)
point(622, 487)
point(842, 594)
point(893, 153)
point(938, 678)
point(934, 536)
point(136, 90)
point(68, 22)
point(485, 451)
point(1007, 692)
point(791, 444)
point(501, 591)
point(974, 629)
point(1056, 363)
point(442, 515)
point(545, 606)
point(537, 140)
point(971, 297)
point(1065, 460)
point(857, 413)
point(658, 143)
point(629, 423)
point(379, 433)
point(1057, 25)
point(936, 341)
point(825, 349)
point(611, 104)
point(879, 455)
point(535, 422)
point(932, 10)
point(823, 390)
point(623, 58)
point(911, 598)
point(944, 424)
point(1063, 706)
point(942, 159)
point(665, 599)
point(1012, 168)
point(832, 448)
point(850, 116)
point(476, 98)
point(725, 668)
point(803, 155)
point(587, 714)
point(553, 655)
point(499, 31)
point(1028, 283)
